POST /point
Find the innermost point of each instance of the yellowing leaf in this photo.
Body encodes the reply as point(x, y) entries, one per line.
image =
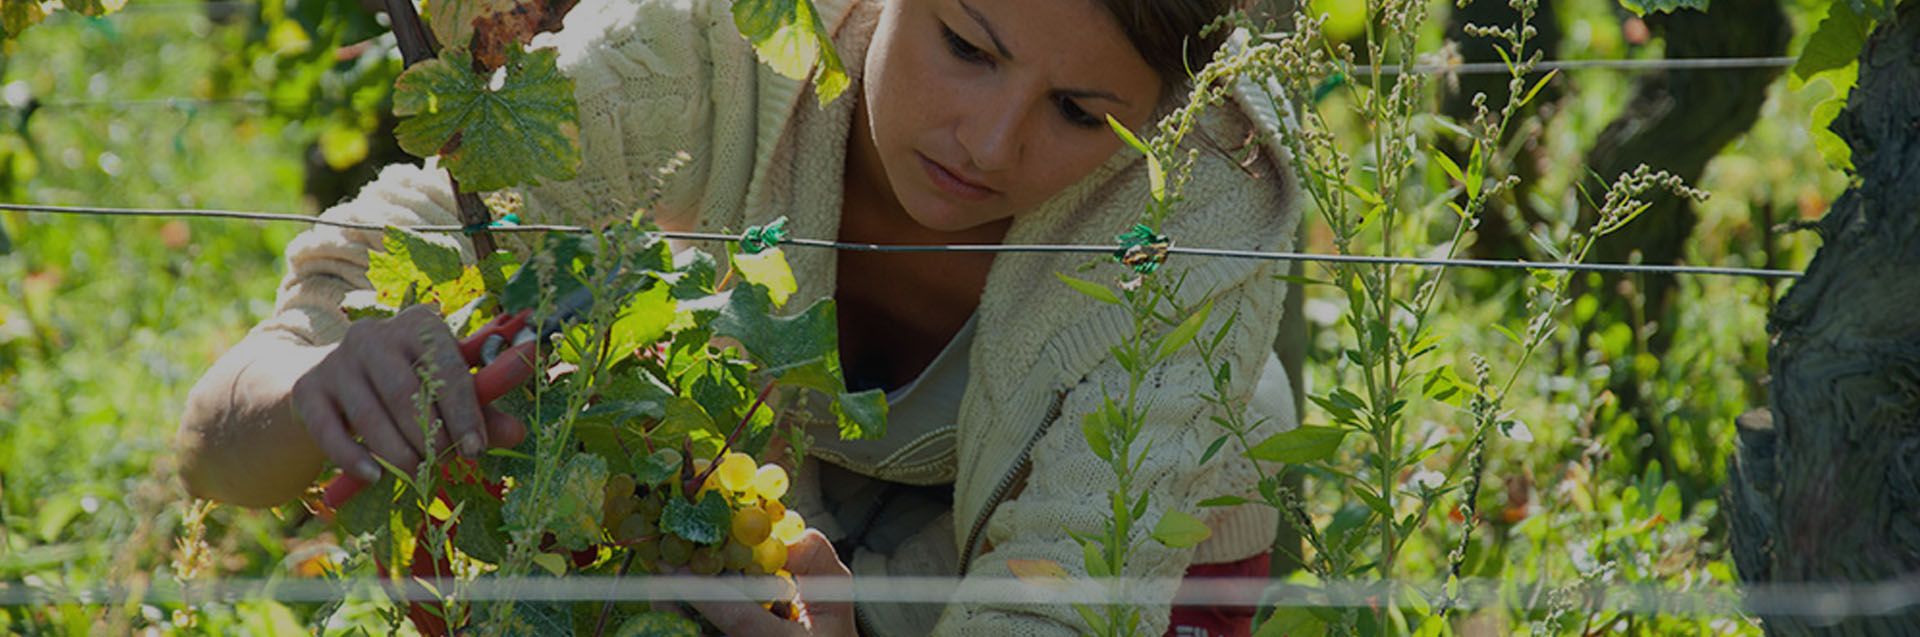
point(1179, 530)
point(768, 268)
point(790, 38)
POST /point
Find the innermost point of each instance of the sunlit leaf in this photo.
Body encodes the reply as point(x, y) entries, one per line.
point(790, 38)
point(768, 268)
point(1178, 529)
point(1300, 444)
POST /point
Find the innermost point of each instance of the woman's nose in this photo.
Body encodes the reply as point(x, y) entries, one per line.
point(991, 136)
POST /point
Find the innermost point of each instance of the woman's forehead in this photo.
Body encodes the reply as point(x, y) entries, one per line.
point(1077, 44)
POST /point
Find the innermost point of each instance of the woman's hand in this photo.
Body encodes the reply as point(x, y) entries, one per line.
point(813, 563)
point(365, 388)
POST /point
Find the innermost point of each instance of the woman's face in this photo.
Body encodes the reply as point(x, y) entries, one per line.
point(984, 109)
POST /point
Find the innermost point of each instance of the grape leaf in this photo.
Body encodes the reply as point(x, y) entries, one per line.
point(790, 38)
point(412, 262)
point(94, 8)
point(479, 533)
point(768, 268)
point(862, 415)
point(367, 512)
point(513, 128)
point(1300, 444)
point(703, 523)
point(569, 506)
point(452, 20)
point(1179, 530)
point(1642, 7)
point(1835, 43)
point(494, 32)
point(658, 467)
point(778, 343)
point(658, 624)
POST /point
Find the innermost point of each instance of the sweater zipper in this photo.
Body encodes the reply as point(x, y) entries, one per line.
point(1006, 482)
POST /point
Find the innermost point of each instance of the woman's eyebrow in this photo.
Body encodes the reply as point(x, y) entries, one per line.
point(991, 35)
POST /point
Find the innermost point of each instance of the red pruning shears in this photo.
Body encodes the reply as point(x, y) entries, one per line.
point(506, 351)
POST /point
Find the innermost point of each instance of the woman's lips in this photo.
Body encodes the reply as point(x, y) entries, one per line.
point(953, 184)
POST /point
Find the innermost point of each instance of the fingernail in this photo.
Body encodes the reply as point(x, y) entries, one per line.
point(368, 470)
point(470, 444)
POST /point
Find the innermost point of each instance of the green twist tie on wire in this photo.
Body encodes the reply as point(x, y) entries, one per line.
point(509, 220)
point(1142, 249)
point(758, 239)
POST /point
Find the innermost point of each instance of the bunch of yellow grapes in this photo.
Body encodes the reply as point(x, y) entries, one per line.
point(759, 531)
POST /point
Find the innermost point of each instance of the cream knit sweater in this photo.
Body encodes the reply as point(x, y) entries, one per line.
point(659, 77)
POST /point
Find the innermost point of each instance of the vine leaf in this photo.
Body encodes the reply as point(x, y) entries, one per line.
point(495, 33)
point(790, 38)
point(1642, 7)
point(512, 128)
point(703, 523)
point(412, 262)
point(1300, 444)
point(569, 505)
point(480, 520)
point(779, 343)
point(1178, 529)
point(452, 20)
point(768, 268)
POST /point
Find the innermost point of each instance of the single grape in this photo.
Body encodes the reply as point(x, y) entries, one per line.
point(618, 509)
point(736, 472)
point(646, 551)
point(706, 561)
point(738, 557)
point(675, 550)
point(770, 481)
point(652, 506)
point(775, 509)
point(636, 527)
point(620, 485)
point(789, 528)
point(751, 526)
point(770, 556)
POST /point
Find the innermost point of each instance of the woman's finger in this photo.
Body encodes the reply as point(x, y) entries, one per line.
point(503, 430)
point(367, 417)
point(322, 418)
point(455, 402)
point(815, 565)
point(396, 385)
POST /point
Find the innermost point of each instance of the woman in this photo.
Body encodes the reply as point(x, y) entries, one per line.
point(972, 121)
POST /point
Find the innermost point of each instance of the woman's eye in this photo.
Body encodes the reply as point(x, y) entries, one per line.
point(963, 49)
point(1076, 115)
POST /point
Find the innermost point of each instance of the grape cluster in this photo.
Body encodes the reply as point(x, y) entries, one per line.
point(760, 527)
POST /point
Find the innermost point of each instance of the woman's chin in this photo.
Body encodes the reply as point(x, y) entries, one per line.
point(943, 216)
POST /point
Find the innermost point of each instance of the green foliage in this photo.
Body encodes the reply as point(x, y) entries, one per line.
point(1301, 444)
point(1831, 57)
point(1180, 530)
point(790, 38)
point(702, 523)
point(1643, 7)
point(491, 134)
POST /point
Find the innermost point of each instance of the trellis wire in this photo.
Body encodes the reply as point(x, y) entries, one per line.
point(1823, 600)
point(1468, 68)
point(1619, 268)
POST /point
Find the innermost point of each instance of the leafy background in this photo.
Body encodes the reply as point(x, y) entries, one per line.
point(105, 324)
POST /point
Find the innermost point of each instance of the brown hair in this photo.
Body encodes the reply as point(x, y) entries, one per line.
point(1167, 33)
